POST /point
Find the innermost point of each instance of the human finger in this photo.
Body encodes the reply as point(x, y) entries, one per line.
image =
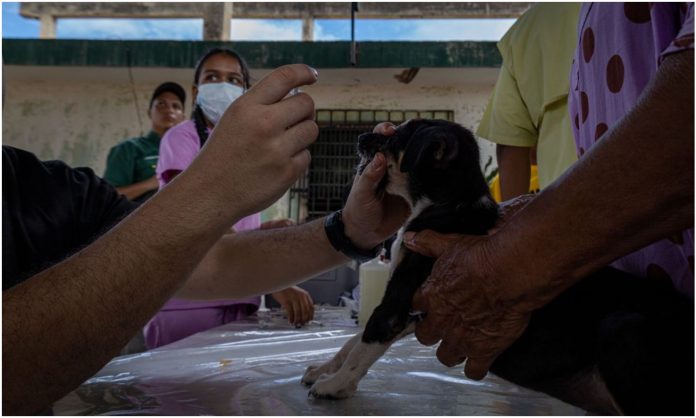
point(300, 163)
point(311, 309)
point(300, 309)
point(428, 331)
point(385, 128)
point(362, 199)
point(452, 349)
point(430, 243)
point(477, 367)
point(278, 83)
point(294, 109)
point(299, 137)
point(376, 163)
point(370, 178)
point(307, 310)
point(291, 311)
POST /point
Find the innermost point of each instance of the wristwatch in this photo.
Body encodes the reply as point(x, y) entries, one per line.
point(335, 232)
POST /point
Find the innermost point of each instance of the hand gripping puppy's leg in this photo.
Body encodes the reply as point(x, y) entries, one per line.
point(315, 371)
point(344, 383)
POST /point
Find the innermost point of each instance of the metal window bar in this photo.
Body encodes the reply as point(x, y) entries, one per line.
point(325, 186)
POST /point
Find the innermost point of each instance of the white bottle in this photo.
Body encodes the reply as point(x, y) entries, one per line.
point(373, 276)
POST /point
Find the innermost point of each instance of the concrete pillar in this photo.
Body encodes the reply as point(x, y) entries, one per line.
point(216, 21)
point(48, 27)
point(308, 29)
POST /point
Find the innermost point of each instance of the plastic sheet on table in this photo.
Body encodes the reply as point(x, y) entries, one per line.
point(254, 368)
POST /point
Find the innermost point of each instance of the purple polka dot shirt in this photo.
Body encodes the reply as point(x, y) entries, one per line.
point(620, 47)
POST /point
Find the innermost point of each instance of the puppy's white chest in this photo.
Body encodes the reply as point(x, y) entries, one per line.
point(396, 253)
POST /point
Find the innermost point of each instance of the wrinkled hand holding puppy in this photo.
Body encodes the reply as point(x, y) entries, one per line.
point(463, 269)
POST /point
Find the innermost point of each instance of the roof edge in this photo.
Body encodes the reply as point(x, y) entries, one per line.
point(261, 55)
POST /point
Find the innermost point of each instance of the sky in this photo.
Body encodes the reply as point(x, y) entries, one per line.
point(16, 26)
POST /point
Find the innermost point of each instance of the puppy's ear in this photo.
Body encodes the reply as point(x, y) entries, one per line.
point(433, 145)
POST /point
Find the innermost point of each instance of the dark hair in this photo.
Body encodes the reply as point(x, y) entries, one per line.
point(197, 115)
point(170, 87)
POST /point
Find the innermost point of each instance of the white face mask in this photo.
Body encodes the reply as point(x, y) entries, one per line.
point(215, 98)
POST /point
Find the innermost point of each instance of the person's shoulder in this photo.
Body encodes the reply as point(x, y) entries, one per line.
point(24, 166)
point(542, 19)
point(13, 155)
point(125, 147)
point(17, 159)
point(186, 129)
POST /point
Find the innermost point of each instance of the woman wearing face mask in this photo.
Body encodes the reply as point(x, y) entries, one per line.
point(221, 77)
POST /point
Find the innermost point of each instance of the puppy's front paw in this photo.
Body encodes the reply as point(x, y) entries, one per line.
point(312, 374)
point(333, 386)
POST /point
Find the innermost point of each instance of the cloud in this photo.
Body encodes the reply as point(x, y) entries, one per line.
point(321, 34)
point(266, 30)
point(461, 29)
point(282, 29)
point(414, 29)
point(179, 29)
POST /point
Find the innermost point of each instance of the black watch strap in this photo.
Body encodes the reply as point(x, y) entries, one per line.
point(333, 225)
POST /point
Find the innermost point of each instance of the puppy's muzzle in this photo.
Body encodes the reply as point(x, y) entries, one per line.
point(368, 145)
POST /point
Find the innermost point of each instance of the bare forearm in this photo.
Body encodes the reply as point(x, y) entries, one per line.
point(514, 170)
point(256, 262)
point(631, 189)
point(61, 325)
point(88, 306)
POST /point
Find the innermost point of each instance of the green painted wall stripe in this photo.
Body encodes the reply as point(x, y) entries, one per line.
point(184, 54)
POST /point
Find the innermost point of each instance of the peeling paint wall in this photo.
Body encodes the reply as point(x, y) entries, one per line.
point(467, 102)
point(79, 119)
point(77, 122)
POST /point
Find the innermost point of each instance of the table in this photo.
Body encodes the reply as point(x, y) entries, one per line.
point(254, 368)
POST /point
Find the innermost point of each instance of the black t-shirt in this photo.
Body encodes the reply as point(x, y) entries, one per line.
point(50, 211)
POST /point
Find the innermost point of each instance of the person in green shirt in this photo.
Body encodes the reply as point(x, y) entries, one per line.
point(130, 165)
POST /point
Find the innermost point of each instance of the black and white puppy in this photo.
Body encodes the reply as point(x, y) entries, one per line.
point(611, 344)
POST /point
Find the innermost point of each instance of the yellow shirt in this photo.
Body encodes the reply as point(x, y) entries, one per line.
point(528, 105)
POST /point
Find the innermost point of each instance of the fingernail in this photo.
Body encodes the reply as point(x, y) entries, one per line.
point(315, 72)
point(409, 237)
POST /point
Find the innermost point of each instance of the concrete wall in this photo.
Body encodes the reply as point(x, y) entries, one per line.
point(78, 114)
point(74, 120)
